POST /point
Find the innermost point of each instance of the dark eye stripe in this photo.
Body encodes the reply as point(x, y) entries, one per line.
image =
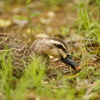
point(59, 40)
point(60, 47)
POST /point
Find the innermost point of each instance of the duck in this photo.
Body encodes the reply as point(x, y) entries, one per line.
point(52, 46)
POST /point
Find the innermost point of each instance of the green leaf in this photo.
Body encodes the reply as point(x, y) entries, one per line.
point(35, 14)
point(22, 18)
point(28, 1)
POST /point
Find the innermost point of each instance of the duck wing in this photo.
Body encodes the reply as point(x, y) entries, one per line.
point(20, 53)
point(9, 42)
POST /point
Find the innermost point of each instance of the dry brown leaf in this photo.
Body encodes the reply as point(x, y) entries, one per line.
point(51, 14)
point(5, 23)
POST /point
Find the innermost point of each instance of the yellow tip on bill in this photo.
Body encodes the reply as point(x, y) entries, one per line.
point(78, 67)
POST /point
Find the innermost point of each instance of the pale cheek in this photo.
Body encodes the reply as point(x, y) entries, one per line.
point(62, 53)
point(54, 53)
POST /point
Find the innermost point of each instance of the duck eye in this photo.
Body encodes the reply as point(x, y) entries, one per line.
point(60, 47)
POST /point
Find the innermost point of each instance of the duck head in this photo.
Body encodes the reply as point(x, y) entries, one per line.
point(56, 48)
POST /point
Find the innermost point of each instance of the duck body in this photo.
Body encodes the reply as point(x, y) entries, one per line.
point(8, 42)
point(21, 52)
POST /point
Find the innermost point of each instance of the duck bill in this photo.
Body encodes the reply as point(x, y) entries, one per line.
point(69, 61)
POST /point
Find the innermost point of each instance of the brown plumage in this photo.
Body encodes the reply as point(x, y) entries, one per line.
point(21, 52)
